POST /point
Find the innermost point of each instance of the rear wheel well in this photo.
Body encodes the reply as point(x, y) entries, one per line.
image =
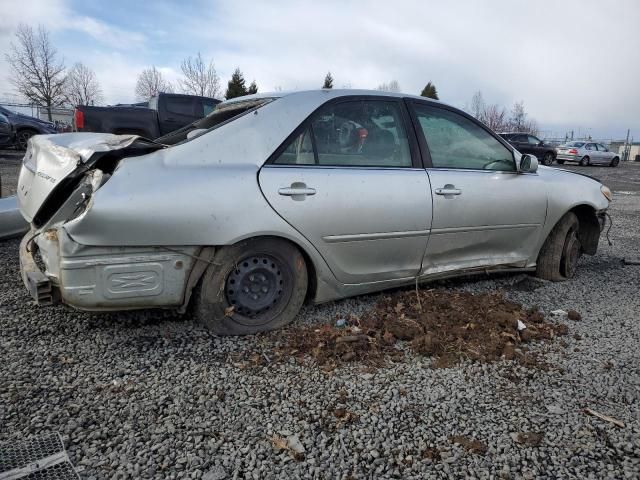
point(589, 232)
point(311, 269)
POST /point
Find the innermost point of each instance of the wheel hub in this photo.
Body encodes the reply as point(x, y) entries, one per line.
point(571, 254)
point(255, 285)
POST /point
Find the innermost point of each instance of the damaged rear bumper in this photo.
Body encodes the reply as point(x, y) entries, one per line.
point(105, 278)
point(37, 283)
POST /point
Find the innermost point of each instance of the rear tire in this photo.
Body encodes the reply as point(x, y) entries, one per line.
point(22, 139)
point(615, 162)
point(253, 286)
point(548, 158)
point(559, 255)
point(584, 161)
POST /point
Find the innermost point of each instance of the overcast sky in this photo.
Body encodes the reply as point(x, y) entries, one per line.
point(575, 64)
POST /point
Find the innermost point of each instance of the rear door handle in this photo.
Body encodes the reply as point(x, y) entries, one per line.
point(289, 192)
point(297, 191)
point(448, 190)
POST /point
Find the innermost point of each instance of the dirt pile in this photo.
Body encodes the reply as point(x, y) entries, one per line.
point(447, 325)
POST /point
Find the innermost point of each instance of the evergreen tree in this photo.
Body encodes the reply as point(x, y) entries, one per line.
point(328, 81)
point(236, 87)
point(253, 88)
point(429, 91)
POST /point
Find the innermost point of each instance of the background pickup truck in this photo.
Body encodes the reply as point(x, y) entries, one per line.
point(166, 112)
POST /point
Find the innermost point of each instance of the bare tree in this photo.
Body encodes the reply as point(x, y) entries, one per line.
point(392, 86)
point(518, 117)
point(82, 87)
point(495, 117)
point(150, 83)
point(37, 73)
point(199, 78)
point(477, 105)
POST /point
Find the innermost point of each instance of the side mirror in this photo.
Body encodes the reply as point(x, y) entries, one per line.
point(528, 164)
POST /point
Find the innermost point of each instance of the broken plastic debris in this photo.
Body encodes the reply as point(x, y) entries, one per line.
point(558, 313)
point(521, 326)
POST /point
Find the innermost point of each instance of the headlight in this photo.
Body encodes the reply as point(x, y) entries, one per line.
point(606, 192)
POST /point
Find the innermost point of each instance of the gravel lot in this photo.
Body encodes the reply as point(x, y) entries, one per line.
point(147, 395)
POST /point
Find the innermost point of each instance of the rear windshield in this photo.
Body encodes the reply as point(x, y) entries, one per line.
point(222, 114)
point(575, 144)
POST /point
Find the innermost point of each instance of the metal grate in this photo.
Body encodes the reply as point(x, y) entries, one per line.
point(42, 458)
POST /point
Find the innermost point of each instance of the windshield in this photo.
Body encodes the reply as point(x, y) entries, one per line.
point(222, 114)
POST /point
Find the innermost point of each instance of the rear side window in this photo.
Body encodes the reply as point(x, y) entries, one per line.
point(179, 105)
point(456, 142)
point(367, 133)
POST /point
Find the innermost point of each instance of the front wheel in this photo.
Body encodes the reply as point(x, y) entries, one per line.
point(253, 286)
point(559, 255)
point(547, 159)
point(615, 162)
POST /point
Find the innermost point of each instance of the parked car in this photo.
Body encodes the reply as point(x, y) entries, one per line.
point(586, 153)
point(26, 127)
point(167, 112)
point(7, 134)
point(527, 143)
point(277, 198)
point(12, 224)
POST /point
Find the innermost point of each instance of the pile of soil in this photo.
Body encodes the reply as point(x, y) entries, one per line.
point(447, 325)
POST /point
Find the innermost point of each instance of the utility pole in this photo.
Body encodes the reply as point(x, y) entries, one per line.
point(626, 148)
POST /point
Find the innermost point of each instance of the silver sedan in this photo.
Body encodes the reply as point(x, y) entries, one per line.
point(586, 153)
point(279, 198)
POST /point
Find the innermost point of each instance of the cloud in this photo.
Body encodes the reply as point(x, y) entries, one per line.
point(571, 62)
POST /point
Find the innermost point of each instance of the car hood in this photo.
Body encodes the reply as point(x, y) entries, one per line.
point(569, 171)
point(52, 163)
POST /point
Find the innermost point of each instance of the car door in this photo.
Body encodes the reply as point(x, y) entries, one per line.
point(485, 213)
point(592, 153)
point(535, 146)
point(350, 180)
point(604, 155)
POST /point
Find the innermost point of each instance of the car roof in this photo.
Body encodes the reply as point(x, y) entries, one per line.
point(332, 93)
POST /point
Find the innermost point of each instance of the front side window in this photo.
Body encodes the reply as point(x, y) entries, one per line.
point(3, 119)
point(368, 133)
point(456, 142)
point(533, 140)
point(601, 147)
point(590, 146)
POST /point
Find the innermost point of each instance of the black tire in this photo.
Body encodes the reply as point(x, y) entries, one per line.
point(271, 279)
point(615, 162)
point(559, 255)
point(22, 139)
point(560, 162)
point(584, 161)
point(548, 158)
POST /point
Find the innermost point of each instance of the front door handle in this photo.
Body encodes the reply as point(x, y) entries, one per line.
point(297, 191)
point(448, 189)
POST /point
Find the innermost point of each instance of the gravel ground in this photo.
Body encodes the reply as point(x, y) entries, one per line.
point(10, 162)
point(156, 396)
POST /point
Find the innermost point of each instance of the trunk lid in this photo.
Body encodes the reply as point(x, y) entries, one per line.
point(53, 165)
